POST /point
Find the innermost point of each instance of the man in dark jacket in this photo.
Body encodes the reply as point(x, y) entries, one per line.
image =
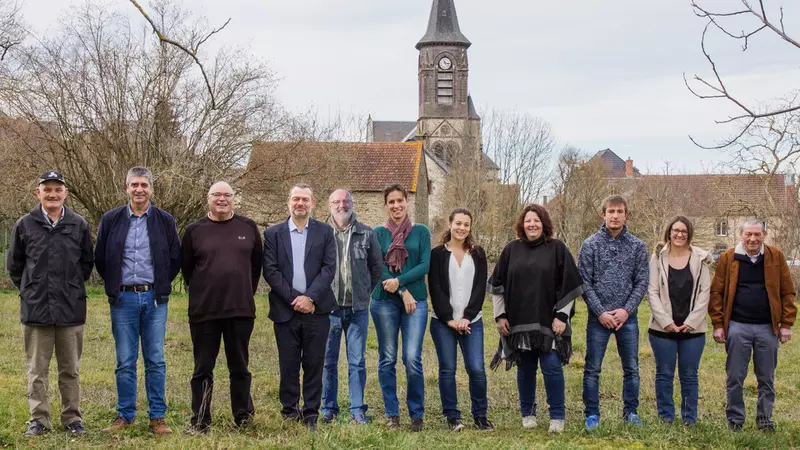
point(299, 264)
point(358, 271)
point(138, 256)
point(49, 260)
point(221, 263)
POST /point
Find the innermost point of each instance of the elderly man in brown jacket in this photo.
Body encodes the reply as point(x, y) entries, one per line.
point(752, 309)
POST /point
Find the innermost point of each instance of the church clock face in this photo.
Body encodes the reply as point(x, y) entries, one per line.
point(445, 63)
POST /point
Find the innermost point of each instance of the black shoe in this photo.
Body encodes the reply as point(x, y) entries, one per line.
point(328, 418)
point(483, 424)
point(455, 424)
point(291, 418)
point(734, 426)
point(312, 425)
point(767, 428)
point(77, 428)
point(392, 422)
point(417, 425)
point(243, 423)
point(35, 428)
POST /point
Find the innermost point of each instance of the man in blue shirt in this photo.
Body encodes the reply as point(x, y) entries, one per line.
point(138, 256)
point(615, 270)
point(299, 265)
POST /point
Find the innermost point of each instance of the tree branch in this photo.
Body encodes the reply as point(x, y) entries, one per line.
point(191, 50)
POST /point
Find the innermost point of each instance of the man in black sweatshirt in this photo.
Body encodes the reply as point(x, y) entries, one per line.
point(221, 263)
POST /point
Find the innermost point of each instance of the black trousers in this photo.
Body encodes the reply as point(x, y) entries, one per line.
point(206, 339)
point(301, 343)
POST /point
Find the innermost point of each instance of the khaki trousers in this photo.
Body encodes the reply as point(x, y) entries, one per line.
point(39, 344)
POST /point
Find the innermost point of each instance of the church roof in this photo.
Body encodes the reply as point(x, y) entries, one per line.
point(389, 131)
point(357, 166)
point(443, 26)
point(471, 112)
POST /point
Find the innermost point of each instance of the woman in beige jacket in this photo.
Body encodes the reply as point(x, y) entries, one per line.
point(680, 282)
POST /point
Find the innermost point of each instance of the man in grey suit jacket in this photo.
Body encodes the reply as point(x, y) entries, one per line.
point(299, 265)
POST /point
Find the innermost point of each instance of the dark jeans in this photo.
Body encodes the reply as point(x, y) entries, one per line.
point(134, 317)
point(554, 385)
point(301, 343)
point(206, 338)
point(447, 340)
point(390, 319)
point(597, 337)
point(688, 353)
point(354, 325)
point(742, 340)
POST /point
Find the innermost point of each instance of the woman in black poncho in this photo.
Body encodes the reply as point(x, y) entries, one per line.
point(534, 286)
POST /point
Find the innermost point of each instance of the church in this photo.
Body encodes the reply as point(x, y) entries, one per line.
point(417, 154)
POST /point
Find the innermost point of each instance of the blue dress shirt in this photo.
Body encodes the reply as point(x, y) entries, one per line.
point(137, 264)
point(298, 256)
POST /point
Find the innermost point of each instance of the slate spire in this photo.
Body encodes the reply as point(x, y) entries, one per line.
point(443, 26)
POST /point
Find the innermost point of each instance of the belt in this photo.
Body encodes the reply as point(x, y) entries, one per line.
point(136, 288)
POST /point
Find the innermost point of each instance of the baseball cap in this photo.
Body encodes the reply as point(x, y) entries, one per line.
point(51, 176)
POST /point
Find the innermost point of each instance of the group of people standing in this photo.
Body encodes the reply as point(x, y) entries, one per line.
point(326, 279)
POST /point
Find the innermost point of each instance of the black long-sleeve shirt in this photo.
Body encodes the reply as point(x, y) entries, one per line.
point(221, 264)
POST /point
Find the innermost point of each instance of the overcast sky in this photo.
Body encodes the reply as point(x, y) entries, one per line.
point(604, 74)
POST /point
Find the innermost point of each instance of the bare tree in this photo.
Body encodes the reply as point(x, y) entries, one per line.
point(579, 187)
point(522, 145)
point(12, 31)
point(760, 19)
point(103, 97)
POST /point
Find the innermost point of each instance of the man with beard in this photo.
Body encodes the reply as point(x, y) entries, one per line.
point(299, 265)
point(358, 271)
point(221, 264)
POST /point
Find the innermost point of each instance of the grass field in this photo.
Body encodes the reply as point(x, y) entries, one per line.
point(268, 431)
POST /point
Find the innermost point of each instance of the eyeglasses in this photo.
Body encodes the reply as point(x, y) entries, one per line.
point(341, 202)
point(220, 194)
point(680, 232)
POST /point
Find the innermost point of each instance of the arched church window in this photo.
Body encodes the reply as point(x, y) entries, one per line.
point(438, 150)
point(444, 81)
point(451, 153)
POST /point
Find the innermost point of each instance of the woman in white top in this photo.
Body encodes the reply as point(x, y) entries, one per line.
point(457, 283)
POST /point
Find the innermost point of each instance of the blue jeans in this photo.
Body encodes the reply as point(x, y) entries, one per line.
point(390, 319)
point(688, 353)
point(554, 386)
point(597, 337)
point(133, 316)
point(447, 340)
point(355, 325)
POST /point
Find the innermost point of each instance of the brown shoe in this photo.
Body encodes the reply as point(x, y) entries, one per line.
point(159, 427)
point(118, 424)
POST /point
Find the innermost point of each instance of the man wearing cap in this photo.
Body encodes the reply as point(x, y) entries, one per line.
point(49, 260)
point(138, 256)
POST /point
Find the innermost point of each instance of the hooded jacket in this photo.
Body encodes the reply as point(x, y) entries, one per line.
point(658, 291)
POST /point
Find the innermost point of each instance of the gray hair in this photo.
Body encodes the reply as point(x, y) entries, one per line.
point(750, 222)
point(349, 194)
point(221, 182)
point(301, 186)
point(139, 171)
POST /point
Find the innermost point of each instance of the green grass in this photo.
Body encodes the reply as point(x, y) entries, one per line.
point(268, 431)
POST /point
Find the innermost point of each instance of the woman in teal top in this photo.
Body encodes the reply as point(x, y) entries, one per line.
point(400, 305)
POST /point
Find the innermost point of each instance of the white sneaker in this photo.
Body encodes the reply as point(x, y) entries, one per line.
point(529, 422)
point(556, 426)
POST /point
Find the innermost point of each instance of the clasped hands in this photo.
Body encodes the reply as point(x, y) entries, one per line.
point(558, 327)
point(613, 319)
point(461, 326)
point(303, 304)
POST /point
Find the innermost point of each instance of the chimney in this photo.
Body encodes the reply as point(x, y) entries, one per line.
point(629, 167)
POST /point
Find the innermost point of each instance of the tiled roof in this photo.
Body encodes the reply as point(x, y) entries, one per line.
point(443, 26)
point(358, 166)
point(716, 194)
point(388, 131)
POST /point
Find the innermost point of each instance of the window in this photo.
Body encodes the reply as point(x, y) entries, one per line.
point(721, 227)
point(444, 87)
